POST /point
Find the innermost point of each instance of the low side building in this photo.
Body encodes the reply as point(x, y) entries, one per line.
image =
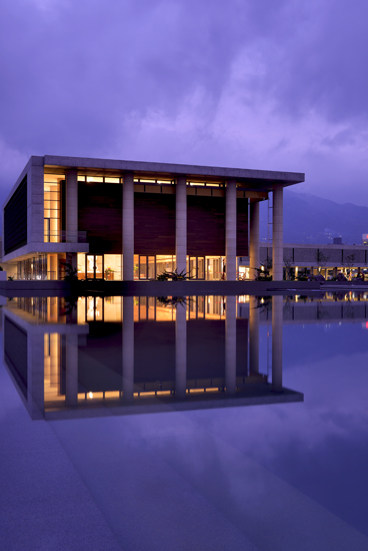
point(325, 259)
point(125, 220)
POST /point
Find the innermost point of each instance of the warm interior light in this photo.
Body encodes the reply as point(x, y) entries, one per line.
point(94, 179)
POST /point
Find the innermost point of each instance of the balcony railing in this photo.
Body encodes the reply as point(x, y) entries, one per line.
point(65, 237)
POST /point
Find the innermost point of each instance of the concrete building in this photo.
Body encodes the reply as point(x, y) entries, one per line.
point(325, 259)
point(126, 220)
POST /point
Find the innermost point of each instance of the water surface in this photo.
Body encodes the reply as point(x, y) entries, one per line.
point(202, 423)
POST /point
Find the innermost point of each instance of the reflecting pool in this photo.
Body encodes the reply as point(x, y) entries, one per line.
point(200, 422)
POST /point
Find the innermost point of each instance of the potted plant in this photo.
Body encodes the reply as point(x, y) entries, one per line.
point(109, 274)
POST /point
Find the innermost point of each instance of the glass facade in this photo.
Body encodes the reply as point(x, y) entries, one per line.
point(165, 263)
point(33, 268)
point(104, 266)
point(42, 266)
point(52, 208)
point(146, 267)
point(198, 267)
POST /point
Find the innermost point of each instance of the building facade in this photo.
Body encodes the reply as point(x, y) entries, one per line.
point(325, 259)
point(125, 220)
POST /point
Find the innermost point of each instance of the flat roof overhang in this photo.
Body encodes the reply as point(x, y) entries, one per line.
point(265, 180)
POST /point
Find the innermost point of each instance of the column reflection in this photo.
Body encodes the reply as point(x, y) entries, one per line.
point(253, 336)
point(71, 368)
point(230, 345)
point(277, 320)
point(128, 348)
point(181, 350)
point(142, 364)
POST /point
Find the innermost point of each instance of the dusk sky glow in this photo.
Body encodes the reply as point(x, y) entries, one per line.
point(264, 84)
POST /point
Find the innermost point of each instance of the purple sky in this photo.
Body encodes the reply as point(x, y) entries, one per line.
point(268, 84)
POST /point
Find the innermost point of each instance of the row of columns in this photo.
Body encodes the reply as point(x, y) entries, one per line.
point(181, 227)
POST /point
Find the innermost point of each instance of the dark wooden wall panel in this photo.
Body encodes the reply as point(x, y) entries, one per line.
point(100, 215)
point(206, 225)
point(242, 229)
point(154, 223)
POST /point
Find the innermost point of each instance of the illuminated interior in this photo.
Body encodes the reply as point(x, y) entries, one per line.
point(52, 208)
point(106, 266)
point(198, 267)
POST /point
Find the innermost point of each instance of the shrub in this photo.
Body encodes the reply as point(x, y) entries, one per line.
point(173, 276)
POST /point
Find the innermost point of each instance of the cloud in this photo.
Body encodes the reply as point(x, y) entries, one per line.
point(254, 84)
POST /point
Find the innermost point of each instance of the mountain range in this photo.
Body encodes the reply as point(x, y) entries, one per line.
point(311, 219)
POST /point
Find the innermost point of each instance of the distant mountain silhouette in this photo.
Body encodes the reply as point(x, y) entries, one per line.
point(311, 219)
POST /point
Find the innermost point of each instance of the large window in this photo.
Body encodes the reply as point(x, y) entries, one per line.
point(33, 268)
point(214, 267)
point(198, 267)
point(147, 267)
point(52, 208)
point(165, 263)
point(112, 267)
point(107, 266)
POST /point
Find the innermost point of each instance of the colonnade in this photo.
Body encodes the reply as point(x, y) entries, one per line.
point(181, 226)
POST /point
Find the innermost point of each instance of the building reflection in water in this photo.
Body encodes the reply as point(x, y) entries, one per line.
point(117, 355)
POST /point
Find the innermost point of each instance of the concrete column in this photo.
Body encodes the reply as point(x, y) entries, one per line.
point(71, 367)
point(254, 261)
point(253, 336)
point(71, 207)
point(35, 373)
point(277, 235)
point(181, 351)
point(128, 348)
point(181, 224)
point(35, 201)
point(277, 321)
point(230, 345)
point(230, 236)
point(128, 227)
